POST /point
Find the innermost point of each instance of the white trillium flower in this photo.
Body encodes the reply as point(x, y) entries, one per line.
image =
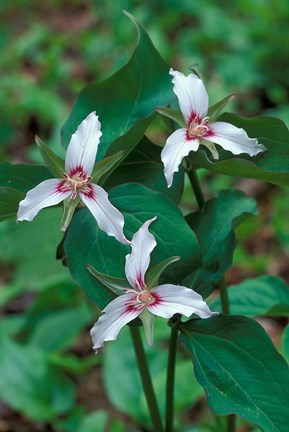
point(163, 300)
point(194, 102)
point(79, 163)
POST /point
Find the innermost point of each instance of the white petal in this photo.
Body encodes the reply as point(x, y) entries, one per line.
point(234, 139)
point(116, 315)
point(82, 149)
point(108, 218)
point(192, 95)
point(173, 299)
point(136, 265)
point(45, 194)
point(176, 148)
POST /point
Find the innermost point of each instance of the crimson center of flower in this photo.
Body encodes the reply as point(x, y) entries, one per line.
point(75, 181)
point(197, 129)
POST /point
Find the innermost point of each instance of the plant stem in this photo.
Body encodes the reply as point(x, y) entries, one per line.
point(224, 296)
point(171, 377)
point(231, 423)
point(146, 379)
point(193, 177)
point(231, 419)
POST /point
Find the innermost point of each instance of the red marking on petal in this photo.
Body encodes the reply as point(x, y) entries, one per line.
point(78, 171)
point(157, 300)
point(194, 118)
point(89, 191)
point(209, 133)
point(189, 138)
point(62, 187)
point(140, 283)
point(133, 305)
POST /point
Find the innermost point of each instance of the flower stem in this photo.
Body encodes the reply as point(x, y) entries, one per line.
point(171, 375)
point(231, 419)
point(224, 296)
point(146, 379)
point(192, 174)
point(231, 423)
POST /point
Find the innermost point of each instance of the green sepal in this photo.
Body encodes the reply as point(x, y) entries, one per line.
point(105, 165)
point(153, 274)
point(175, 115)
point(115, 284)
point(54, 163)
point(215, 110)
point(148, 319)
point(69, 206)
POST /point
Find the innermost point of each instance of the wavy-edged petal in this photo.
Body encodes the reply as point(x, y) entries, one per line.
point(234, 139)
point(109, 218)
point(136, 265)
point(82, 149)
point(45, 194)
point(176, 148)
point(172, 299)
point(192, 95)
point(116, 315)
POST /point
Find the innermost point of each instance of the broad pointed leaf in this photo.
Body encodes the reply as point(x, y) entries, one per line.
point(144, 166)
point(214, 226)
point(15, 181)
point(85, 244)
point(125, 101)
point(265, 295)
point(240, 369)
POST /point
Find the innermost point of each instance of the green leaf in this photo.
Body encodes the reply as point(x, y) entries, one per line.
point(116, 285)
point(271, 166)
point(144, 166)
point(15, 181)
point(9, 202)
point(30, 385)
point(58, 330)
point(94, 422)
point(22, 177)
point(86, 244)
point(265, 295)
point(105, 166)
point(54, 163)
point(125, 101)
point(236, 363)
point(173, 114)
point(154, 273)
point(215, 110)
point(31, 247)
point(214, 226)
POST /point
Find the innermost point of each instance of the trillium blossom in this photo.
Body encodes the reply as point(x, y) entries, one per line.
point(76, 185)
point(141, 301)
point(193, 100)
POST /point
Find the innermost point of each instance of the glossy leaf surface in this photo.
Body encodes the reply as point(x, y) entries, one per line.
point(214, 226)
point(85, 244)
point(236, 363)
point(265, 295)
point(125, 101)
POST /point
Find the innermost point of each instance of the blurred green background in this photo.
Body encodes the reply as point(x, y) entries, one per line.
point(49, 378)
